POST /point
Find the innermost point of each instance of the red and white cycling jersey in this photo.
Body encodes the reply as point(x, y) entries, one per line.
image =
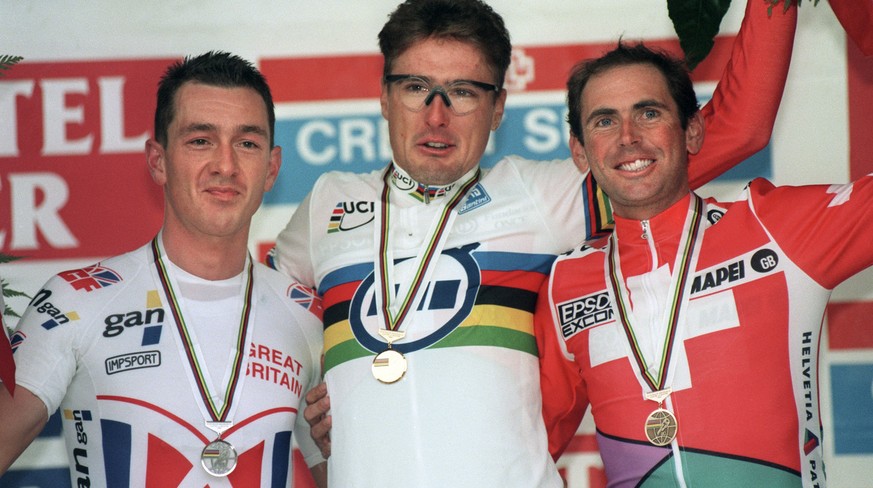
point(743, 364)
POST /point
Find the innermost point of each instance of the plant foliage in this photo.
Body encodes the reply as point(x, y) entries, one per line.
point(696, 22)
point(6, 62)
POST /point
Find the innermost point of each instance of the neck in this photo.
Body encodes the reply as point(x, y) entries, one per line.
point(649, 211)
point(210, 258)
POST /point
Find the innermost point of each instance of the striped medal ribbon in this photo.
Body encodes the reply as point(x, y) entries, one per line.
point(390, 365)
point(661, 426)
point(219, 457)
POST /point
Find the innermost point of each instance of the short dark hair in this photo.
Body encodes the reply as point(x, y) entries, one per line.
point(675, 71)
point(470, 21)
point(214, 68)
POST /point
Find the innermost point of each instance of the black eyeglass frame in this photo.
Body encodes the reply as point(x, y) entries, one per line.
point(440, 89)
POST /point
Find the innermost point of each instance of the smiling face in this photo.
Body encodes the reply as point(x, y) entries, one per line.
point(433, 145)
point(634, 142)
point(217, 163)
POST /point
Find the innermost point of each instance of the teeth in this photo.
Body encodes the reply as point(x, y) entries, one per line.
point(437, 145)
point(638, 165)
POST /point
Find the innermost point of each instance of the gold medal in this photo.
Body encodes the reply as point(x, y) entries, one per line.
point(389, 366)
point(661, 427)
point(218, 458)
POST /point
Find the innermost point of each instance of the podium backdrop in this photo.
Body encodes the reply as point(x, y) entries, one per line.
point(74, 117)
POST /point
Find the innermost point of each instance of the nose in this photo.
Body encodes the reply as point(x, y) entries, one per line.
point(225, 160)
point(438, 108)
point(630, 134)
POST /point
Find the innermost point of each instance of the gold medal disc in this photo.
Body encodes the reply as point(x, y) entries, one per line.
point(661, 427)
point(389, 366)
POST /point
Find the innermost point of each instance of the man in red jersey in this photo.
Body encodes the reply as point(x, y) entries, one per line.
point(693, 330)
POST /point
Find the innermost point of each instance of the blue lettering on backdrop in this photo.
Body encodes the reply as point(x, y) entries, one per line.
point(359, 143)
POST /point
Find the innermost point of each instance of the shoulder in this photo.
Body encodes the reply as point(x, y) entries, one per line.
point(102, 279)
point(334, 179)
point(518, 163)
point(300, 300)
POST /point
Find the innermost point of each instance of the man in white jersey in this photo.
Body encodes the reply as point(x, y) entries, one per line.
point(182, 363)
point(429, 269)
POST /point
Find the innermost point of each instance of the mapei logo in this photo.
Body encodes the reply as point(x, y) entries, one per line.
point(151, 320)
point(41, 304)
point(91, 278)
point(580, 313)
point(350, 215)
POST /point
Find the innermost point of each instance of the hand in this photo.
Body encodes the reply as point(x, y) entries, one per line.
point(316, 413)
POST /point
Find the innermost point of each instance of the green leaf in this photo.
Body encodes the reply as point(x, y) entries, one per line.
point(696, 23)
point(6, 62)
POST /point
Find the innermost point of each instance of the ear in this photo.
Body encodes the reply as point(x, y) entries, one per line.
point(383, 100)
point(577, 150)
point(694, 133)
point(156, 161)
point(274, 164)
point(499, 107)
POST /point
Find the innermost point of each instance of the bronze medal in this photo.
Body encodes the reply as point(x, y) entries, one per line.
point(661, 427)
point(218, 458)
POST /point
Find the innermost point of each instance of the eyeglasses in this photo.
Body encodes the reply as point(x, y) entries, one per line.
point(461, 96)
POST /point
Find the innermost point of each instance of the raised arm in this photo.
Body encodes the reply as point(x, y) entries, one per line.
point(739, 119)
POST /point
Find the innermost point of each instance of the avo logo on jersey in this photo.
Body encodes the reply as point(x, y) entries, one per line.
point(151, 320)
point(350, 215)
point(56, 317)
point(445, 303)
point(91, 278)
point(580, 313)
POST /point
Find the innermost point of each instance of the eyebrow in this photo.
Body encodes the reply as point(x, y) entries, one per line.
point(206, 127)
point(637, 106)
point(430, 81)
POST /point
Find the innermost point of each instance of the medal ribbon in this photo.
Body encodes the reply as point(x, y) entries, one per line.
point(217, 414)
point(425, 258)
point(682, 268)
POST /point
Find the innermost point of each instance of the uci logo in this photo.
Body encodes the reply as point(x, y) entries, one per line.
point(445, 301)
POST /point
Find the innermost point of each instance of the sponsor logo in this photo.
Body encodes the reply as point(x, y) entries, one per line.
point(729, 273)
point(810, 442)
point(714, 215)
point(521, 70)
point(91, 278)
point(137, 360)
point(63, 123)
point(765, 261)
point(41, 304)
point(581, 313)
point(151, 319)
point(350, 215)
point(476, 198)
point(80, 452)
point(446, 301)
